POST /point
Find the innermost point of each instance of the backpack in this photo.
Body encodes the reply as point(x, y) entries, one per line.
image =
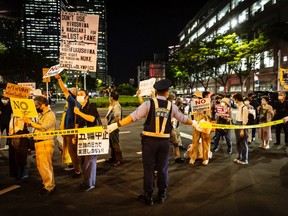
point(251, 119)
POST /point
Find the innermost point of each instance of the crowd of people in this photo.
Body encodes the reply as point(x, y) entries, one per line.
point(163, 113)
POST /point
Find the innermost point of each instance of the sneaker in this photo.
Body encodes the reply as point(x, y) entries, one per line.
point(205, 162)
point(117, 163)
point(236, 160)
point(191, 162)
point(45, 192)
point(215, 149)
point(147, 199)
point(242, 162)
point(6, 147)
point(69, 167)
point(88, 188)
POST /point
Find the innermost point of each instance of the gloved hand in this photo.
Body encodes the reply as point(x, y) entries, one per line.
point(112, 127)
point(194, 123)
point(285, 119)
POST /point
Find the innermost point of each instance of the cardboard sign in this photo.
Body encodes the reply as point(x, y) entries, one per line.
point(79, 41)
point(56, 69)
point(221, 111)
point(200, 105)
point(16, 91)
point(44, 72)
point(93, 143)
point(146, 86)
point(23, 107)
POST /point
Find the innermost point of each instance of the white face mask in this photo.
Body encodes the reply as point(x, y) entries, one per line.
point(246, 102)
point(4, 101)
point(222, 104)
point(80, 99)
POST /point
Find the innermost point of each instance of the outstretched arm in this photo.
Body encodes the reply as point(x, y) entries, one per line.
point(62, 85)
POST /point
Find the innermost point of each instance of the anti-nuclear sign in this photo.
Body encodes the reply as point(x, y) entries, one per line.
point(79, 40)
point(93, 143)
point(23, 107)
point(146, 86)
point(200, 104)
point(16, 91)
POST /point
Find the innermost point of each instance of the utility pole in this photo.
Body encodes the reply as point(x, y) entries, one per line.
point(278, 72)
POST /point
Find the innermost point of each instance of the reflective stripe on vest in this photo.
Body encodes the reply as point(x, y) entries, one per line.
point(157, 123)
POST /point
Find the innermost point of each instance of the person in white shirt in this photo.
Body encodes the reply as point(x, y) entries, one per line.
point(241, 134)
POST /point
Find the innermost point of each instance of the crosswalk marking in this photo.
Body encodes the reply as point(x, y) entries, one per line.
point(5, 190)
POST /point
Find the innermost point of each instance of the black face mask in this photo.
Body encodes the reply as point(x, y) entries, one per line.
point(39, 110)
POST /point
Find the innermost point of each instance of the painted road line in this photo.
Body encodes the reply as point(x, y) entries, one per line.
point(187, 136)
point(13, 187)
point(124, 132)
point(101, 160)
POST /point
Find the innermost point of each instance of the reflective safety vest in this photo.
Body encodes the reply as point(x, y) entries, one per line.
point(158, 116)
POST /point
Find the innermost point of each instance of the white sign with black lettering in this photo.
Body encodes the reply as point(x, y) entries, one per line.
point(93, 143)
point(200, 105)
point(79, 40)
point(146, 86)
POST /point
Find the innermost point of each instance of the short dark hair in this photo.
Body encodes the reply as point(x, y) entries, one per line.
point(114, 94)
point(250, 94)
point(41, 100)
point(205, 93)
point(265, 97)
point(238, 97)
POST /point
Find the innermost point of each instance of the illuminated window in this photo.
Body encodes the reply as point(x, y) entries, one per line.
point(268, 59)
point(223, 12)
point(243, 16)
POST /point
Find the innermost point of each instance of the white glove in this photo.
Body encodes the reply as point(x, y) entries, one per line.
point(194, 123)
point(285, 119)
point(112, 127)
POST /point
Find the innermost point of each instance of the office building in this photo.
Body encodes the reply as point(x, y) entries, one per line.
point(220, 17)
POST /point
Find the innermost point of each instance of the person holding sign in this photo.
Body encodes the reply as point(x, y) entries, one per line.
point(87, 116)
point(201, 112)
point(44, 145)
point(69, 123)
point(223, 115)
point(155, 138)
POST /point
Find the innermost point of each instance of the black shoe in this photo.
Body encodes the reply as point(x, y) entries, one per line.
point(179, 160)
point(45, 192)
point(161, 200)
point(147, 199)
point(110, 161)
point(229, 151)
point(276, 143)
point(76, 175)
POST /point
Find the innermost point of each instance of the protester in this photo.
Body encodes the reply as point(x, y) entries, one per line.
point(241, 135)
point(114, 114)
point(223, 116)
point(155, 139)
point(254, 102)
point(251, 119)
point(280, 111)
point(266, 114)
point(87, 116)
point(200, 136)
point(44, 145)
point(5, 116)
point(18, 149)
point(69, 123)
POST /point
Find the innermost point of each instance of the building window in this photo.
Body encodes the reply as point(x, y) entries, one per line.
point(268, 59)
point(223, 29)
point(243, 16)
point(224, 11)
point(211, 22)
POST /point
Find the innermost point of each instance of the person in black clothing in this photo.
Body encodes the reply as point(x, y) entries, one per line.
point(281, 110)
point(5, 116)
point(254, 102)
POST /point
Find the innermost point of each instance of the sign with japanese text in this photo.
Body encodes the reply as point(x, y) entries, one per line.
point(23, 107)
point(93, 143)
point(222, 111)
point(146, 86)
point(199, 105)
point(31, 85)
point(17, 91)
point(284, 78)
point(79, 41)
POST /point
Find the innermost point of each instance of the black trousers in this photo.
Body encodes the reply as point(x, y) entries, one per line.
point(155, 156)
point(278, 132)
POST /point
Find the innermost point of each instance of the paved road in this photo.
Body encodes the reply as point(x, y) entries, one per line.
point(220, 188)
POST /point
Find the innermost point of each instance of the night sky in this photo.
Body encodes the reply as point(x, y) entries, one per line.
point(138, 29)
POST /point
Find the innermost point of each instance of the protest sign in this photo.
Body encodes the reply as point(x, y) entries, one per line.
point(23, 107)
point(79, 40)
point(16, 91)
point(146, 86)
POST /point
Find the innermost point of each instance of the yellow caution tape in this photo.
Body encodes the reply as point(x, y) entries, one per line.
point(59, 132)
point(225, 126)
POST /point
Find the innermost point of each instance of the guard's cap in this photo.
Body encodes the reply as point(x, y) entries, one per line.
point(162, 85)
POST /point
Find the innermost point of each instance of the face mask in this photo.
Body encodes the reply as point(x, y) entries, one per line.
point(4, 101)
point(80, 99)
point(263, 102)
point(39, 110)
point(246, 102)
point(280, 97)
point(222, 104)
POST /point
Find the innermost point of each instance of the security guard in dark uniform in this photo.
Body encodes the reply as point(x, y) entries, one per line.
point(155, 138)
